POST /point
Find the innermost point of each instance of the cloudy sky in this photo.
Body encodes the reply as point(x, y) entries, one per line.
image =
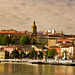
point(48, 14)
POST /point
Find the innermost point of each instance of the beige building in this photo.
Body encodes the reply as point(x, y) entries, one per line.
point(42, 38)
point(4, 55)
point(52, 42)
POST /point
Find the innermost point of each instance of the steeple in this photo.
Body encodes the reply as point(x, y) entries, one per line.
point(34, 25)
point(34, 33)
point(34, 22)
point(34, 29)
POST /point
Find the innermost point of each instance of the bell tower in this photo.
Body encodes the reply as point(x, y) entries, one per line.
point(34, 29)
point(34, 33)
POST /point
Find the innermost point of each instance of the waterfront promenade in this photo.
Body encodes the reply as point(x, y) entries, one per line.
point(45, 62)
point(21, 60)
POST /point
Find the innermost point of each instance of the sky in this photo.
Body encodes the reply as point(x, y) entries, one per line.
point(48, 14)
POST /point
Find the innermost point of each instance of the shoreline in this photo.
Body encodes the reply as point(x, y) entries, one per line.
point(67, 64)
point(38, 62)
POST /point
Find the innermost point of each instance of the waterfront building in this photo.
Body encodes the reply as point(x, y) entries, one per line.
point(70, 49)
point(4, 55)
point(9, 48)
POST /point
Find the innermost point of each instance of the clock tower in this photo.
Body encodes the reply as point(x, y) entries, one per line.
point(34, 33)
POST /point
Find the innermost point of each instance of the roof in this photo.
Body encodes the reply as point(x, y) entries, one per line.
point(54, 47)
point(10, 47)
point(10, 30)
point(63, 39)
point(66, 45)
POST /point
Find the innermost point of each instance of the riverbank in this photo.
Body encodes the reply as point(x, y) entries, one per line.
point(47, 63)
point(44, 62)
point(56, 62)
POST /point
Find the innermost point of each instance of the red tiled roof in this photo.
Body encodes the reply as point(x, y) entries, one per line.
point(63, 39)
point(10, 47)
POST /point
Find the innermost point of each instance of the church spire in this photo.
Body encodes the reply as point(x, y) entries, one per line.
point(34, 33)
point(34, 29)
point(34, 22)
point(34, 26)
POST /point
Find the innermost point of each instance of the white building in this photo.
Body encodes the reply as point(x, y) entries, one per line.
point(69, 49)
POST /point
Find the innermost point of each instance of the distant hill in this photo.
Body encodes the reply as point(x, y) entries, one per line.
point(48, 14)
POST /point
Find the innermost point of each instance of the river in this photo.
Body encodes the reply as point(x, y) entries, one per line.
point(28, 69)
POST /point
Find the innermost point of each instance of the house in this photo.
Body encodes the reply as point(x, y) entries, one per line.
point(63, 40)
point(4, 55)
point(52, 42)
point(70, 49)
point(9, 48)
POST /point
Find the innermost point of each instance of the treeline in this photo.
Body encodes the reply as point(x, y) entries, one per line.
point(24, 40)
point(31, 55)
point(6, 40)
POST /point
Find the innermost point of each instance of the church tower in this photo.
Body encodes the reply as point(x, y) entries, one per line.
point(34, 29)
point(34, 33)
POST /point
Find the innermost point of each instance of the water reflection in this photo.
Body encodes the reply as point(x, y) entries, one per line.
point(24, 69)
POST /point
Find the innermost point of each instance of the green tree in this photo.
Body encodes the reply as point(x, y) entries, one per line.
point(40, 43)
point(40, 54)
point(13, 40)
point(15, 54)
point(22, 54)
point(1, 36)
point(24, 40)
point(51, 53)
point(5, 40)
point(32, 54)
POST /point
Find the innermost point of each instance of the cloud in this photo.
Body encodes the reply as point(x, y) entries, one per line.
point(49, 14)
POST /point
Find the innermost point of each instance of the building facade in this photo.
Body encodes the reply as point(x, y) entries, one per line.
point(4, 55)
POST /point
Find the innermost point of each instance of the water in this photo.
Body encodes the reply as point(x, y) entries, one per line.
point(24, 69)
